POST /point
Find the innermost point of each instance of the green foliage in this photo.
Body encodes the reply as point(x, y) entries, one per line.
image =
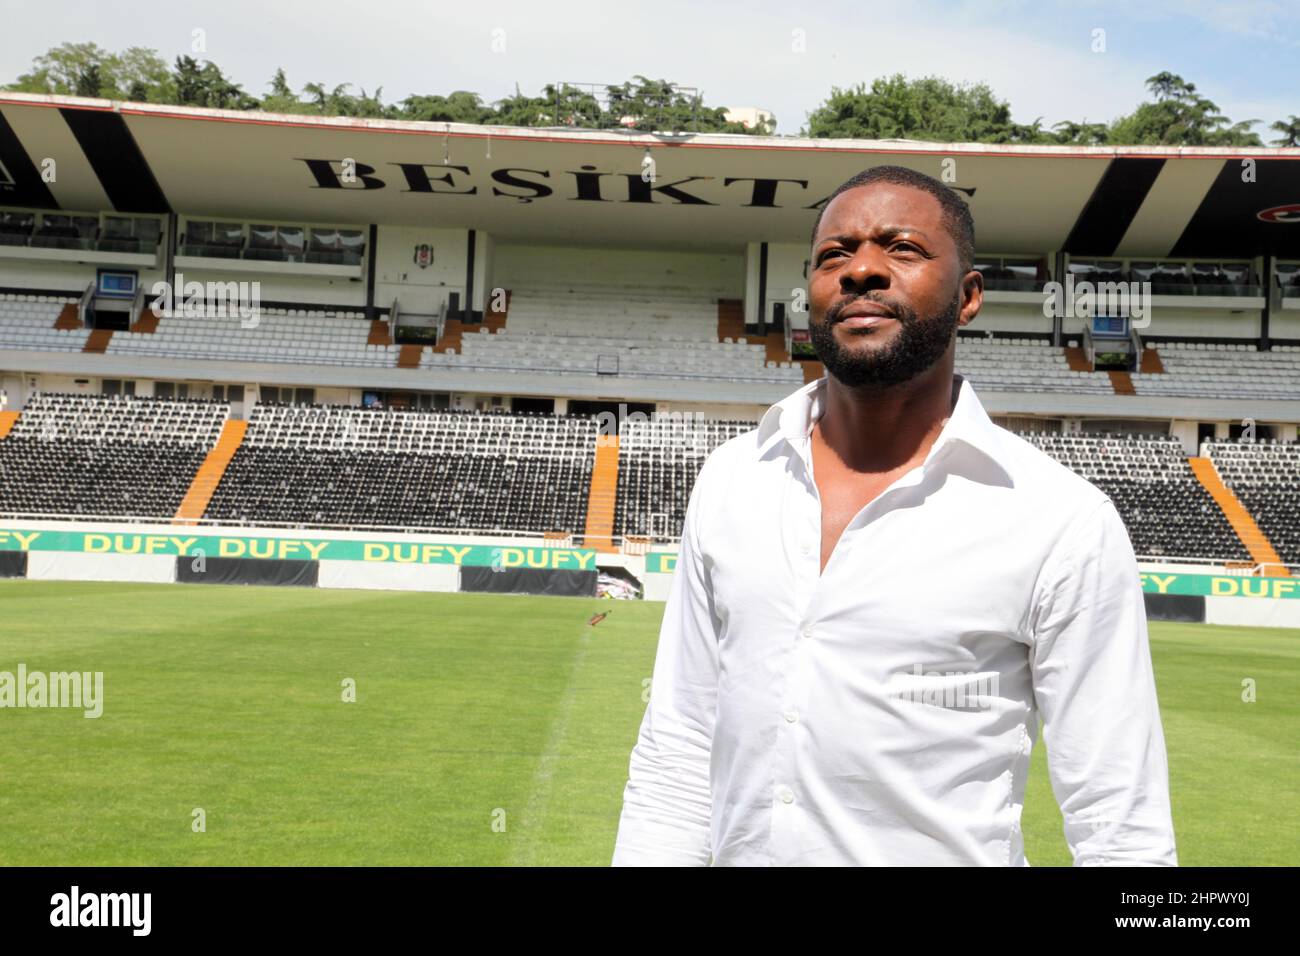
point(86, 69)
point(206, 86)
point(935, 110)
point(1290, 130)
point(929, 108)
point(140, 75)
point(894, 107)
point(1179, 116)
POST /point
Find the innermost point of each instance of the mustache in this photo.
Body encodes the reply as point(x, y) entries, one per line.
point(896, 310)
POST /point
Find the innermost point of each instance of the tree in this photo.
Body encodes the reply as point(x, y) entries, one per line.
point(929, 108)
point(458, 107)
point(1179, 116)
point(64, 70)
point(1080, 134)
point(206, 86)
point(660, 105)
point(520, 110)
point(282, 98)
point(85, 69)
point(143, 75)
point(1290, 130)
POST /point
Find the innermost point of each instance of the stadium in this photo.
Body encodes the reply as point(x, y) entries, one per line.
point(438, 394)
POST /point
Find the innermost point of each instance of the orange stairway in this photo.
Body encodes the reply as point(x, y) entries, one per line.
point(731, 320)
point(1077, 359)
point(98, 341)
point(1122, 383)
point(454, 329)
point(451, 333)
point(1152, 364)
point(206, 479)
point(1247, 531)
point(69, 318)
point(147, 324)
point(409, 356)
point(379, 334)
point(731, 325)
point(7, 420)
point(602, 496)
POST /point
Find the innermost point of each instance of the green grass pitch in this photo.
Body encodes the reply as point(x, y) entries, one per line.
point(486, 730)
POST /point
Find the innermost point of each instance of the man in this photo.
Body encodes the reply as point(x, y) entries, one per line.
point(879, 592)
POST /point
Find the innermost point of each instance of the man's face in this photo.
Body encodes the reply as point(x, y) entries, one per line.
point(886, 289)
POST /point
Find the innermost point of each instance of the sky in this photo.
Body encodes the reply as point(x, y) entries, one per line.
point(1054, 59)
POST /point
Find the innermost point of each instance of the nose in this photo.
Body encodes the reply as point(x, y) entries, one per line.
point(868, 269)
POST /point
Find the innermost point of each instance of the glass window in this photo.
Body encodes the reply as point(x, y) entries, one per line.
point(261, 237)
point(290, 238)
point(118, 227)
point(229, 233)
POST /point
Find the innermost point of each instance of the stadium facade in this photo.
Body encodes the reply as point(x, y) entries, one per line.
point(373, 327)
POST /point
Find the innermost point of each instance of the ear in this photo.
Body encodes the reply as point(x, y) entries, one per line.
point(972, 297)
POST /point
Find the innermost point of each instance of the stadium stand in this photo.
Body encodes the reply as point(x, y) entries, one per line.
point(1013, 365)
point(1201, 369)
point(659, 462)
point(588, 329)
point(91, 455)
point(624, 354)
point(27, 323)
point(342, 465)
point(1168, 512)
point(305, 337)
point(1265, 476)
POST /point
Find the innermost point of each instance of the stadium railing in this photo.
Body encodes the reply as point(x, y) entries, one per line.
point(630, 545)
point(1226, 566)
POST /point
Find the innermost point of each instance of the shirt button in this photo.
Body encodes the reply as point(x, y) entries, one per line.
point(805, 548)
point(807, 630)
point(791, 716)
point(787, 795)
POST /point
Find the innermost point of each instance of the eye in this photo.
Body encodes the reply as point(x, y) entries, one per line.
point(825, 254)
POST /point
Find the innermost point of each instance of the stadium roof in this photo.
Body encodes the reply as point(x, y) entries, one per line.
point(585, 186)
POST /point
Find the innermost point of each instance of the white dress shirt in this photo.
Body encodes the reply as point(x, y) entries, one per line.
point(883, 712)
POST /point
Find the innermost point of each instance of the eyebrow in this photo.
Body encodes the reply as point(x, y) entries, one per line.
point(884, 232)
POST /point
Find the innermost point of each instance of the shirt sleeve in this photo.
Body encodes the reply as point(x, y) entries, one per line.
point(1095, 689)
point(667, 802)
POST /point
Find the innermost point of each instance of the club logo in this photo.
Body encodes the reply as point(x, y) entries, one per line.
point(423, 255)
point(1289, 213)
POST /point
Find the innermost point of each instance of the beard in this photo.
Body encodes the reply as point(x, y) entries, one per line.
point(919, 344)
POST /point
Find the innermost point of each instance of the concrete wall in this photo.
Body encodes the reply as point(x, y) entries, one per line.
point(713, 275)
point(421, 291)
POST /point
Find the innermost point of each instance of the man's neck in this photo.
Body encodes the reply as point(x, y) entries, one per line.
point(881, 430)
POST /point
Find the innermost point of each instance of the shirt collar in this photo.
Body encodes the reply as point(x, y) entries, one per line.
point(793, 417)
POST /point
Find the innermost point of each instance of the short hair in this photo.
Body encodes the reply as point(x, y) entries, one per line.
point(956, 214)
